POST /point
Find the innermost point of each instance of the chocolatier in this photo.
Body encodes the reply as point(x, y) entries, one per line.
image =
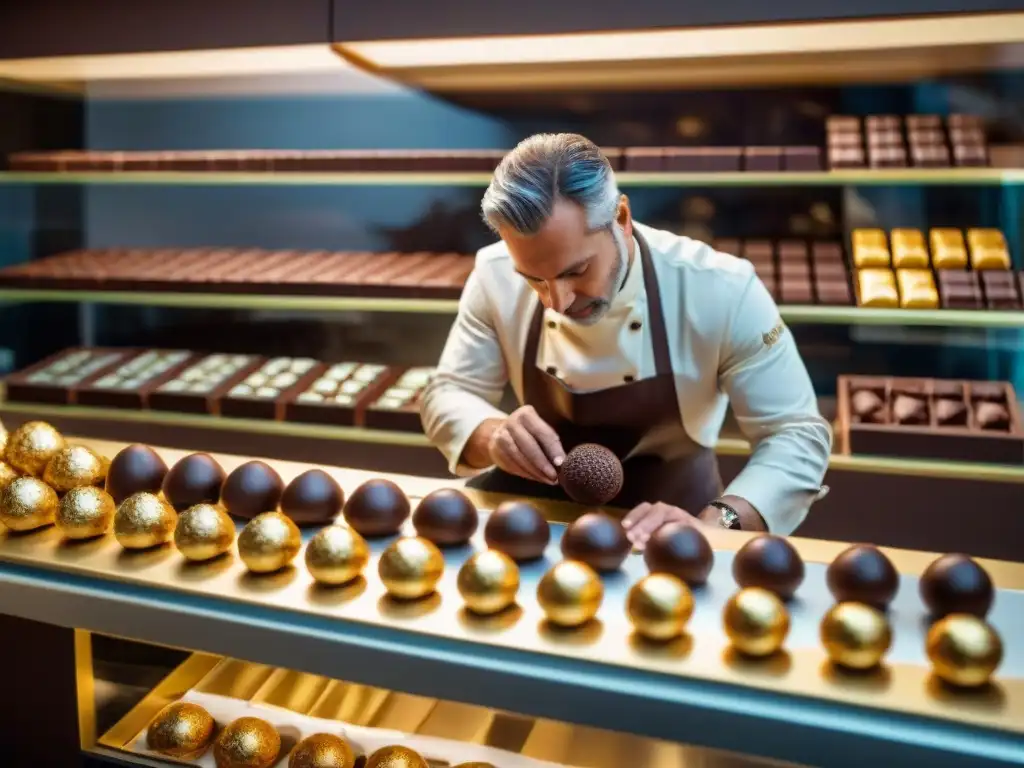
point(631, 339)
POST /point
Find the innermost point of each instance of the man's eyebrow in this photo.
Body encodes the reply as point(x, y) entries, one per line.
point(567, 271)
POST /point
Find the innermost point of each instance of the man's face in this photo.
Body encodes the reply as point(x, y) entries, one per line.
point(574, 271)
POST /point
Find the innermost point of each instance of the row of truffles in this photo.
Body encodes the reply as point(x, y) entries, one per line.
point(767, 569)
point(273, 378)
point(185, 731)
point(904, 248)
point(139, 371)
point(979, 405)
point(74, 367)
point(205, 376)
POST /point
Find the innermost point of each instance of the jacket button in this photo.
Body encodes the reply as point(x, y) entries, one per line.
point(552, 324)
point(635, 325)
point(627, 378)
point(552, 370)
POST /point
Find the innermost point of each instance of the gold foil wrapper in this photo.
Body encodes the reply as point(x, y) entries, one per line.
point(269, 542)
point(336, 555)
point(180, 730)
point(396, 757)
point(322, 750)
point(85, 513)
point(248, 742)
point(3, 440)
point(27, 503)
point(144, 520)
point(756, 621)
point(488, 582)
point(204, 532)
point(410, 568)
point(856, 636)
point(7, 473)
point(73, 467)
point(31, 446)
point(570, 593)
point(659, 606)
point(964, 650)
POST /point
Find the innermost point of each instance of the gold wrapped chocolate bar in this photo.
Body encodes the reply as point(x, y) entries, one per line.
point(948, 248)
point(870, 249)
point(877, 288)
point(909, 250)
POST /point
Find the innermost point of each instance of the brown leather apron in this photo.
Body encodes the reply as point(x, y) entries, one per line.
point(618, 418)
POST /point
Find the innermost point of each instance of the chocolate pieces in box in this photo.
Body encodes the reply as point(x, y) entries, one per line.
point(199, 387)
point(264, 391)
point(129, 384)
point(56, 379)
point(398, 407)
point(338, 394)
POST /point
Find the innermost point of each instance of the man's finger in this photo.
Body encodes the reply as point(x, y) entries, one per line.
point(517, 463)
point(636, 514)
point(530, 449)
point(652, 521)
point(545, 436)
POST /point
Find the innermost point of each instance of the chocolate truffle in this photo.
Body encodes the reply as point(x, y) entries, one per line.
point(992, 416)
point(313, 498)
point(135, 469)
point(950, 413)
point(863, 574)
point(956, 584)
point(597, 540)
point(445, 517)
point(868, 406)
point(907, 409)
point(518, 529)
point(377, 508)
point(252, 489)
point(682, 551)
point(196, 479)
point(591, 474)
point(769, 562)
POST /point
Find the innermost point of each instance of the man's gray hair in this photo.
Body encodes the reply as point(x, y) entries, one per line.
point(543, 169)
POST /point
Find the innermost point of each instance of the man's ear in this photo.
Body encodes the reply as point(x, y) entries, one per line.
point(624, 217)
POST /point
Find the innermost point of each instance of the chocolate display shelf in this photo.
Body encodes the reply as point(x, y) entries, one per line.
point(338, 395)
point(796, 272)
point(129, 384)
point(892, 141)
point(56, 379)
point(245, 271)
point(264, 391)
point(200, 387)
point(398, 407)
point(954, 420)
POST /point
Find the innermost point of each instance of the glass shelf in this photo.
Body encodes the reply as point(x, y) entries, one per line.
point(861, 177)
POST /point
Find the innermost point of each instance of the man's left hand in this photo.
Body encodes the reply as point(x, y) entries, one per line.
point(645, 519)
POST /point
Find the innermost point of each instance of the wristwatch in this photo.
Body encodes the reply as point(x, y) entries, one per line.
point(729, 517)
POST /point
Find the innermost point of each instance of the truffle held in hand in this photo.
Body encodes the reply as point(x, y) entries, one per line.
point(591, 474)
point(378, 507)
point(251, 489)
point(518, 529)
point(135, 469)
point(248, 742)
point(597, 540)
point(446, 517)
point(196, 479)
point(180, 730)
point(956, 584)
point(681, 550)
point(313, 498)
point(769, 562)
point(322, 750)
point(863, 574)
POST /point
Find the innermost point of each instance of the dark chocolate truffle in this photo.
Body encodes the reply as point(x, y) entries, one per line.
point(135, 469)
point(956, 584)
point(196, 479)
point(518, 529)
point(769, 562)
point(598, 540)
point(910, 410)
point(377, 508)
point(868, 406)
point(992, 416)
point(252, 489)
point(445, 517)
point(312, 498)
point(682, 551)
point(950, 412)
point(591, 474)
point(863, 574)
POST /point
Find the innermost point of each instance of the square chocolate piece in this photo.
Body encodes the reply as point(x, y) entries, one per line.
point(846, 123)
point(833, 292)
point(846, 157)
point(923, 122)
point(887, 156)
point(929, 155)
point(1000, 289)
point(758, 251)
point(970, 155)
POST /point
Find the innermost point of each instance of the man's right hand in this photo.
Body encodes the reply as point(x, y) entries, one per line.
point(522, 444)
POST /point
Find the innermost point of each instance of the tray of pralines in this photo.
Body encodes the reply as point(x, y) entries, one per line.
point(339, 394)
point(398, 407)
point(954, 420)
point(56, 379)
point(199, 387)
point(266, 388)
point(130, 383)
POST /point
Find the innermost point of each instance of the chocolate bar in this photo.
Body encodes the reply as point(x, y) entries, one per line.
point(338, 394)
point(948, 248)
point(643, 159)
point(929, 155)
point(762, 159)
point(129, 384)
point(758, 251)
point(199, 387)
point(842, 124)
point(917, 289)
point(1006, 155)
point(845, 157)
point(56, 379)
point(870, 248)
point(886, 156)
point(263, 392)
point(908, 249)
point(804, 159)
point(398, 407)
point(877, 288)
point(959, 289)
point(988, 249)
point(875, 123)
point(930, 419)
point(923, 122)
point(970, 155)
point(1000, 289)
point(702, 159)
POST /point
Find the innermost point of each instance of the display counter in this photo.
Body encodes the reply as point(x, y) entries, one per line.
point(793, 705)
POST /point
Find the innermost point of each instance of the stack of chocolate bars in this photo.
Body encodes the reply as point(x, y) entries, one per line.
point(889, 141)
point(721, 159)
point(796, 271)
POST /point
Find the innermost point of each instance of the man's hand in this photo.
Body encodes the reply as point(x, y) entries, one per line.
point(645, 519)
point(525, 445)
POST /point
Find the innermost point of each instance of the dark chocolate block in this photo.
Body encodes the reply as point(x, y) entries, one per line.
point(929, 155)
point(702, 159)
point(885, 138)
point(959, 289)
point(970, 155)
point(758, 251)
point(1000, 289)
point(887, 156)
point(843, 140)
point(826, 252)
point(762, 159)
point(923, 122)
point(795, 270)
point(833, 292)
point(882, 123)
point(644, 159)
point(56, 379)
point(846, 157)
point(830, 270)
point(793, 251)
point(926, 136)
point(795, 290)
point(804, 159)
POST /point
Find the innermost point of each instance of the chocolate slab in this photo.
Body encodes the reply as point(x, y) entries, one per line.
point(970, 155)
point(338, 394)
point(762, 159)
point(929, 155)
point(643, 159)
point(887, 156)
point(703, 159)
point(933, 419)
point(833, 292)
point(129, 384)
point(923, 122)
point(397, 408)
point(56, 379)
point(263, 392)
point(1000, 289)
point(1006, 155)
point(846, 157)
point(199, 387)
point(805, 159)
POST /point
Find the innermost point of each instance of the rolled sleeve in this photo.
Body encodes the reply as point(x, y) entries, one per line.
point(775, 405)
point(469, 380)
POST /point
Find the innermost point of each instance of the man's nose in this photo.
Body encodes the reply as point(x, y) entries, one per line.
point(560, 296)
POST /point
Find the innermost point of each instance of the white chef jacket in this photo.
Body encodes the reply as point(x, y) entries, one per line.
point(727, 344)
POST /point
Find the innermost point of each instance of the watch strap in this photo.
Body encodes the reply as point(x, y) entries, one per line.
point(729, 517)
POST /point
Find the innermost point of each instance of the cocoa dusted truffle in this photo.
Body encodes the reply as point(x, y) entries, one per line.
point(597, 540)
point(251, 489)
point(312, 498)
point(863, 574)
point(445, 517)
point(196, 479)
point(377, 508)
point(956, 584)
point(682, 551)
point(518, 529)
point(135, 469)
point(591, 474)
point(769, 562)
